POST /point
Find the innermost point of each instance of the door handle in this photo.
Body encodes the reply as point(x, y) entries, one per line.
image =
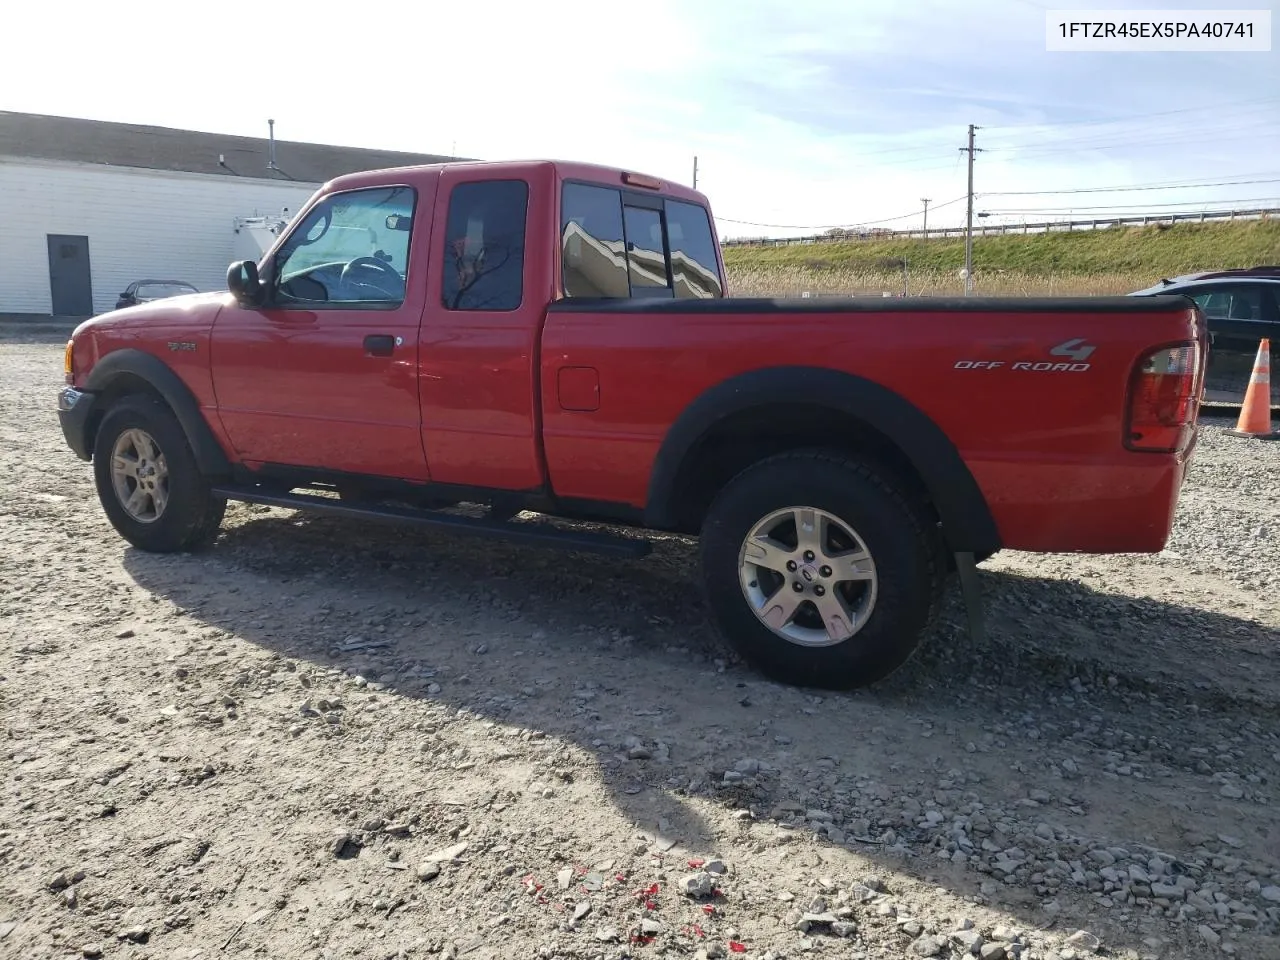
point(381, 344)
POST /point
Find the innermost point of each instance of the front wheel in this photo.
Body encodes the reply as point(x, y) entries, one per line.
point(148, 481)
point(818, 572)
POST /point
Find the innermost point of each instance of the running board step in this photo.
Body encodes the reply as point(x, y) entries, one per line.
point(514, 531)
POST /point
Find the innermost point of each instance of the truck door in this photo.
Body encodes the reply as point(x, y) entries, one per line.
point(486, 299)
point(325, 373)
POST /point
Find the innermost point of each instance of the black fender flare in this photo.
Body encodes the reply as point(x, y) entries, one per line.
point(161, 378)
point(966, 518)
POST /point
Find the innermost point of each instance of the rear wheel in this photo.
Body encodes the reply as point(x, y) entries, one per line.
point(818, 572)
point(148, 481)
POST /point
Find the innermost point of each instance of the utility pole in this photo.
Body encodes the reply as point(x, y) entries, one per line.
point(695, 172)
point(968, 232)
point(925, 227)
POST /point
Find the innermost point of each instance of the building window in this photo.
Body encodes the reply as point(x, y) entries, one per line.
point(484, 246)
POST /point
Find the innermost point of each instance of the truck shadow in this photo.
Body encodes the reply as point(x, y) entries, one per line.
point(595, 652)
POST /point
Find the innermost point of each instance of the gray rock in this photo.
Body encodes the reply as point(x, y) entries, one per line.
point(581, 910)
point(844, 928)
point(607, 934)
point(135, 934)
point(1084, 940)
point(928, 946)
point(59, 881)
point(1270, 894)
point(650, 927)
point(1231, 791)
point(810, 920)
point(697, 884)
point(912, 928)
point(970, 941)
point(716, 866)
point(91, 950)
point(1208, 935)
point(564, 878)
point(429, 870)
point(992, 951)
point(448, 853)
point(342, 844)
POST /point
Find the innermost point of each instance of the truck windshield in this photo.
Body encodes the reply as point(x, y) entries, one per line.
point(653, 246)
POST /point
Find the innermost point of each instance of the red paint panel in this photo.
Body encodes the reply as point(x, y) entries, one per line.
point(1045, 447)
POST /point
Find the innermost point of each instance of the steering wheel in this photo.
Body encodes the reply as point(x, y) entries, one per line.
point(374, 263)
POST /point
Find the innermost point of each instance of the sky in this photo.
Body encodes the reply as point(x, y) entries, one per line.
point(803, 114)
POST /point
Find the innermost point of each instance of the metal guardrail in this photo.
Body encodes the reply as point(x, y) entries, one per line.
point(1005, 228)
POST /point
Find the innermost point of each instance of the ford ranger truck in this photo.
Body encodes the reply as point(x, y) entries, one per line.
point(557, 338)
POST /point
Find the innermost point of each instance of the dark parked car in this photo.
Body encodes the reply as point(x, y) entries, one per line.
point(1241, 306)
point(144, 291)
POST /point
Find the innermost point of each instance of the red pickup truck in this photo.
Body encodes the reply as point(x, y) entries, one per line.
point(557, 338)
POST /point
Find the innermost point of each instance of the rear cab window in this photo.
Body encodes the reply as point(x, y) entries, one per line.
point(618, 243)
point(483, 267)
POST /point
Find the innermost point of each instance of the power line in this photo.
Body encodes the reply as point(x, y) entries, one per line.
point(1246, 132)
point(1138, 116)
point(1153, 186)
point(829, 226)
point(1129, 206)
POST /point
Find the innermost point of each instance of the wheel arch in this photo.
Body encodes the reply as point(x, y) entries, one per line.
point(756, 414)
point(129, 372)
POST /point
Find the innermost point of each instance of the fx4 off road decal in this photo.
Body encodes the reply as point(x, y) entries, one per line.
point(1029, 357)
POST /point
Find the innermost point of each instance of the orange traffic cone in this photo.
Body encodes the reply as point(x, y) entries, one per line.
point(1255, 413)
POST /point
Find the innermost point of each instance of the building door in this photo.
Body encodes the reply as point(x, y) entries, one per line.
point(69, 284)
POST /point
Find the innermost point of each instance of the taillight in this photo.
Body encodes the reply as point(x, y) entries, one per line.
point(1163, 400)
point(68, 364)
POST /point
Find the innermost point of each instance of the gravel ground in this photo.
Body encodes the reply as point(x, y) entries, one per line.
point(320, 739)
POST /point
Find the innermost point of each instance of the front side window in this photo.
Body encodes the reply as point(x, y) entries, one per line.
point(616, 244)
point(484, 246)
point(351, 248)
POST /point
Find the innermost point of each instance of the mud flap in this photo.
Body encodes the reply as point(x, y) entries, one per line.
point(971, 590)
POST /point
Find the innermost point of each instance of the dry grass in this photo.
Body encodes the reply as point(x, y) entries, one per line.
point(785, 280)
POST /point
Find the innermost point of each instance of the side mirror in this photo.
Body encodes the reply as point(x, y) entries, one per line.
point(244, 283)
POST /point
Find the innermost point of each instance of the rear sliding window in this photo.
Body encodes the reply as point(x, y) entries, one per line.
point(620, 244)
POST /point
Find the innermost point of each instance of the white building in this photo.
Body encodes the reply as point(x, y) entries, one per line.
point(88, 207)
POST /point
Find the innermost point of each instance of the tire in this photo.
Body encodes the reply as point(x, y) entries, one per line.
point(887, 602)
point(190, 516)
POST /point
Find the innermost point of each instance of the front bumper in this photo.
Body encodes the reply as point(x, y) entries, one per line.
point(74, 409)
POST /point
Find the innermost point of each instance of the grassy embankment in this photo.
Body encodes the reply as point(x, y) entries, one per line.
point(1088, 262)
